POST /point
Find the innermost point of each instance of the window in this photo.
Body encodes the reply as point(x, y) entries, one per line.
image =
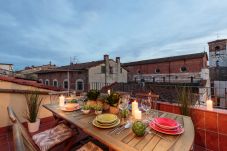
point(121, 70)
point(79, 85)
point(183, 69)
point(111, 70)
point(46, 82)
point(65, 84)
point(103, 69)
point(157, 70)
point(138, 71)
point(55, 83)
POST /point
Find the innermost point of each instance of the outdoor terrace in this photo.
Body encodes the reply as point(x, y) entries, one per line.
point(210, 126)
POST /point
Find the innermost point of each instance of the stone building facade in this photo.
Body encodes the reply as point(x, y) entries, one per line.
point(218, 71)
point(84, 76)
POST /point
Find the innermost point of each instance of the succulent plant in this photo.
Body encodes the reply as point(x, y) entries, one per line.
point(139, 128)
point(98, 107)
point(86, 107)
point(124, 113)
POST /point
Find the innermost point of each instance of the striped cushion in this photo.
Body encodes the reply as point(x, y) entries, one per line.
point(49, 138)
point(89, 147)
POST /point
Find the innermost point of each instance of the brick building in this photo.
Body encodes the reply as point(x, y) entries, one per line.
point(177, 69)
point(85, 76)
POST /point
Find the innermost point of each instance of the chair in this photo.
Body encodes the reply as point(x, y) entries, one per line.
point(51, 139)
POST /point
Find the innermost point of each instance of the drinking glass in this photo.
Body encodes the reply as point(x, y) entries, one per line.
point(146, 106)
point(123, 104)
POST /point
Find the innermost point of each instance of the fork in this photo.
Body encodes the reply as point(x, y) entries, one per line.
point(117, 128)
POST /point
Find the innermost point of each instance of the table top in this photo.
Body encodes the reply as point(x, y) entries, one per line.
point(127, 139)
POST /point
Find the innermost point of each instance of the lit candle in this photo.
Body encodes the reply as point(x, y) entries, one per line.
point(134, 107)
point(61, 100)
point(138, 114)
point(209, 105)
point(108, 92)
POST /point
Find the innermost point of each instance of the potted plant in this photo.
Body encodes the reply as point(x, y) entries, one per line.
point(92, 96)
point(103, 100)
point(98, 109)
point(33, 102)
point(113, 100)
point(86, 109)
point(185, 100)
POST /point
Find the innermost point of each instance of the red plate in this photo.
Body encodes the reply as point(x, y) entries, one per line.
point(166, 123)
point(178, 131)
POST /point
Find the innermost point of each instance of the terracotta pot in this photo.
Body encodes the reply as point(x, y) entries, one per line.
point(34, 127)
point(91, 102)
point(114, 110)
point(99, 102)
point(106, 106)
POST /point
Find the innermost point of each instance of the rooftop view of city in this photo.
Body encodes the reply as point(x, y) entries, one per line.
point(113, 75)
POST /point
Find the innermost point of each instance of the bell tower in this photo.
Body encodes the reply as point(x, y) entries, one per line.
point(218, 53)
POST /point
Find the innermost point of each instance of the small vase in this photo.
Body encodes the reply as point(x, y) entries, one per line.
point(114, 110)
point(86, 111)
point(98, 112)
point(34, 127)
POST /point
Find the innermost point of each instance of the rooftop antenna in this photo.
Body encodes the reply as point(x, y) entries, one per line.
point(218, 36)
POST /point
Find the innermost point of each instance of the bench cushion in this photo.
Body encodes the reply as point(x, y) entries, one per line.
point(49, 138)
point(89, 147)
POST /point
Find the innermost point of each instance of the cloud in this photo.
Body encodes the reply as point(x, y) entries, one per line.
point(35, 32)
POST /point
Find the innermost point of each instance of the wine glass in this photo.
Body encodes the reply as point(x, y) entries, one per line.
point(146, 106)
point(123, 103)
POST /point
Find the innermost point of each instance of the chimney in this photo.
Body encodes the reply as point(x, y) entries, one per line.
point(107, 64)
point(117, 59)
point(118, 68)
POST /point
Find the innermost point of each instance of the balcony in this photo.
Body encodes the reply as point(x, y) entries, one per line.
point(210, 126)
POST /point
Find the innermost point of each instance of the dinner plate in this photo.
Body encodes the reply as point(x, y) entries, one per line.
point(106, 118)
point(69, 110)
point(95, 123)
point(178, 131)
point(166, 123)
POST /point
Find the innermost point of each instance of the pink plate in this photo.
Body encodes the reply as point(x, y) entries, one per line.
point(166, 123)
point(178, 131)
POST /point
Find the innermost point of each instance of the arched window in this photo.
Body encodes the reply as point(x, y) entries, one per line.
point(55, 83)
point(79, 85)
point(65, 84)
point(46, 82)
point(157, 70)
point(217, 48)
point(138, 71)
point(183, 69)
point(41, 80)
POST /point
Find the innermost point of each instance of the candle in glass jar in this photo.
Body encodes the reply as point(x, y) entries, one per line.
point(138, 114)
point(108, 92)
point(209, 105)
point(61, 100)
point(134, 107)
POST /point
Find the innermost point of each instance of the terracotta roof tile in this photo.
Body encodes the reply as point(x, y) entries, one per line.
point(28, 83)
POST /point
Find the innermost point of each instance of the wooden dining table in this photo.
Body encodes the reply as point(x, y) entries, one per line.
point(126, 140)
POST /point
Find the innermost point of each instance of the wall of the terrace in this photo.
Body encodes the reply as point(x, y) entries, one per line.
point(14, 95)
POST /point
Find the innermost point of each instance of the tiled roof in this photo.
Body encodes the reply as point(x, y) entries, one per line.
point(28, 83)
point(73, 67)
point(173, 58)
